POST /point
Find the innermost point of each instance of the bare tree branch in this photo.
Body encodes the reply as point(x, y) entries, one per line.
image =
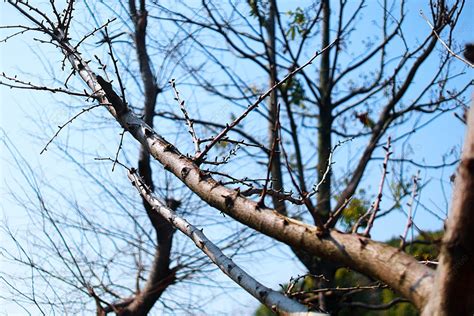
point(272, 299)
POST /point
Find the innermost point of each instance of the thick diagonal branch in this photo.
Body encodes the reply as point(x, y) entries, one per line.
point(270, 298)
point(397, 269)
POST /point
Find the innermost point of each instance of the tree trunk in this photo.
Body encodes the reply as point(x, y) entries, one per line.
point(325, 122)
point(276, 173)
point(453, 292)
point(322, 267)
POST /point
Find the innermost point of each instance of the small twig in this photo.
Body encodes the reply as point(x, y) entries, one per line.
point(444, 44)
point(95, 31)
point(24, 30)
point(337, 289)
point(386, 306)
point(363, 217)
point(189, 121)
point(372, 206)
point(114, 62)
point(409, 224)
point(280, 195)
point(73, 72)
point(335, 215)
point(328, 168)
point(114, 161)
point(325, 174)
point(272, 155)
point(294, 281)
point(92, 33)
point(253, 106)
point(233, 179)
point(210, 125)
point(231, 141)
point(118, 149)
point(67, 12)
point(303, 195)
point(68, 122)
point(225, 159)
point(102, 65)
point(376, 205)
point(31, 86)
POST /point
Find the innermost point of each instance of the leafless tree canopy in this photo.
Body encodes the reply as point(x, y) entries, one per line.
point(243, 113)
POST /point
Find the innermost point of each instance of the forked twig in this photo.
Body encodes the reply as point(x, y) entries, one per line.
point(114, 161)
point(335, 215)
point(189, 121)
point(118, 149)
point(467, 62)
point(60, 127)
point(328, 168)
point(28, 85)
point(114, 62)
point(409, 224)
point(376, 206)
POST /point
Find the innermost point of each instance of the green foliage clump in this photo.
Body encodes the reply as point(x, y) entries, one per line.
point(348, 278)
point(262, 310)
point(357, 207)
point(297, 23)
point(424, 247)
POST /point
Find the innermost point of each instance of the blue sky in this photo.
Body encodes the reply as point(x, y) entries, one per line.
point(29, 118)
